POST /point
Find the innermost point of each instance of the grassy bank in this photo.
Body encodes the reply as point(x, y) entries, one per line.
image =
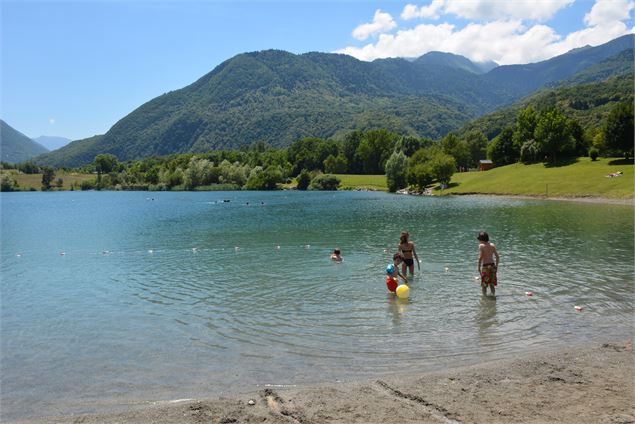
point(29, 182)
point(363, 182)
point(582, 178)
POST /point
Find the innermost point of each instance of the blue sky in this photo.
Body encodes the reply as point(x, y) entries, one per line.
point(74, 69)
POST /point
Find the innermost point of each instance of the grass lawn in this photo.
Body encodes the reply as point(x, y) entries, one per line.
point(583, 178)
point(365, 182)
point(28, 181)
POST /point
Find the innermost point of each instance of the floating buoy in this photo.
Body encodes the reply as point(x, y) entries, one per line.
point(391, 284)
point(403, 291)
point(62, 253)
point(150, 251)
point(278, 247)
point(529, 293)
point(307, 246)
point(236, 248)
point(251, 402)
point(446, 269)
point(390, 269)
point(578, 308)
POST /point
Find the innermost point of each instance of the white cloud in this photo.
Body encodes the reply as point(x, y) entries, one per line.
point(411, 11)
point(487, 10)
point(608, 11)
point(382, 22)
point(506, 41)
point(52, 121)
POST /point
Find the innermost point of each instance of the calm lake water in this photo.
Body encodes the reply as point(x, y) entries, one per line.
point(161, 296)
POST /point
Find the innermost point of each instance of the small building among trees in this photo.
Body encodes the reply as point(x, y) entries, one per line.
point(485, 164)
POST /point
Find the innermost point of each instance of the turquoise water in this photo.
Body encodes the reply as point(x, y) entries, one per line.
point(151, 299)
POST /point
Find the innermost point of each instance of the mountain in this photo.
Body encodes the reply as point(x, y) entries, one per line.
point(524, 79)
point(278, 97)
point(455, 61)
point(17, 147)
point(589, 104)
point(52, 142)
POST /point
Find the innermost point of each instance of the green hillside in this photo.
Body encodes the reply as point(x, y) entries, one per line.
point(17, 147)
point(589, 104)
point(584, 178)
point(278, 97)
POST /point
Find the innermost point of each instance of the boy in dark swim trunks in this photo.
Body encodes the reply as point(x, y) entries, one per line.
point(487, 268)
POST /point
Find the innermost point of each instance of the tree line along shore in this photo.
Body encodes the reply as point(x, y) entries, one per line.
point(526, 154)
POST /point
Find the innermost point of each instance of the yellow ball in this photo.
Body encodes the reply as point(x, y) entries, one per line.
point(403, 291)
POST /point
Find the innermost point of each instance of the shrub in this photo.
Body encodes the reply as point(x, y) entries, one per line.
point(594, 153)
point(303, 179)
point(325, 182)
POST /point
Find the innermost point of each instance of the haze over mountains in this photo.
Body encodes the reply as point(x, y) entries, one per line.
point(278, 97)
point(52, 142)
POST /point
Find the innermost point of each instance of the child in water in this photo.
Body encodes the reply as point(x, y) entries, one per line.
point(486, 266)
point(392, 271)
point(335, 256)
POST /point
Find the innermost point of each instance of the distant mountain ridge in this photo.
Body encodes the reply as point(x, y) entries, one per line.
point(279, 97)
point(455, 61)
point(17, 147)
point(52, 142)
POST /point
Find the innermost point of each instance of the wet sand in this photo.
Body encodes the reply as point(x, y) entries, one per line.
point(590, 385)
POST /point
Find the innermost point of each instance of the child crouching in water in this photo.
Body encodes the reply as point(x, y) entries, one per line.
point(486, 266)
point(393, 272)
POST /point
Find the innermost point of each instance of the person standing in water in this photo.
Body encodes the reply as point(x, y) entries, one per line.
point(408, 253)
point(487, 268)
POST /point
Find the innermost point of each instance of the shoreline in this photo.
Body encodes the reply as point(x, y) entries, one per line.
point(593, 384)
point(581, 199)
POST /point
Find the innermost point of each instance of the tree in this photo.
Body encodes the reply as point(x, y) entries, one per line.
point(104, 164)
point(47, 177)
point(430, 164)
point(501, 149)
point(456, 148)
point(7, 183)
point(264, 179)
point(59, 183)
point(335, 164)
point(374, 150)
point(553, 133)
point(408, 144)
point(303, 180)
point(349, 150)
point(477, 145)
point(618, 129)
point(396, 171)
point(526, 121)
point(529, 151)
point(325, 182)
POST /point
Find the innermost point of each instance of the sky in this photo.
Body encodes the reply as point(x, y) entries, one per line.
point(74, 68)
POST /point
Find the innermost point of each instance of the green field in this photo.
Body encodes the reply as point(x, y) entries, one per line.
point(583, 178)
point(27, 182)
point(363, 182)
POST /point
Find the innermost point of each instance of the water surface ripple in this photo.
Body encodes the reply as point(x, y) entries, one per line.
point(116, 298)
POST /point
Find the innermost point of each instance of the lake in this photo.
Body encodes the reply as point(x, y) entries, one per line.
point(111, 299)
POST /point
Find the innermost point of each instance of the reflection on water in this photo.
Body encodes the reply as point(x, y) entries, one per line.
point(487, 314)
point(183, 294)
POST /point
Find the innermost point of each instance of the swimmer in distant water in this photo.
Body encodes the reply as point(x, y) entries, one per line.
point(336, 256)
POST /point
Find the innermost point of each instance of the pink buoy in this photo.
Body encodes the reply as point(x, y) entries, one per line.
point(529, 293)
point(578, 308)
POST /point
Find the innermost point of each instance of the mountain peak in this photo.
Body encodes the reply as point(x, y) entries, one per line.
point(452, 60)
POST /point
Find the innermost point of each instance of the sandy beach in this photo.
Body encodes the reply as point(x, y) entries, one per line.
point(591, 385)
